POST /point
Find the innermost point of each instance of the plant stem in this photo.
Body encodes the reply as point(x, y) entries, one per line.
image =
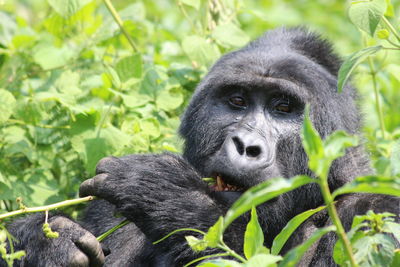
point(323, 183)
point(206, 257)
point(48, 207)
point(377, 102)
point(112, 230)
point(392, 29)
point(120, 23)
point(231, 252)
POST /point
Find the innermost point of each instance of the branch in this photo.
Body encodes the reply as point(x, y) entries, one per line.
point(48, 207)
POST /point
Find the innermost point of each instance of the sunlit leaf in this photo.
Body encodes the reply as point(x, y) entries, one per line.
point(220, 263)
point(253, 236)
point(371, 184)
point(263, 260)
point(214, 234)
point(262, 193)
point(352, 62)
point(290, 227)
point(129, 67)
point(200, 50)
point(67, 8)
point(230, 35)
point(7, 104)
point(195, 243)
point(169, 99)
point(192, 3)
point(366, 15)
point(293, 256)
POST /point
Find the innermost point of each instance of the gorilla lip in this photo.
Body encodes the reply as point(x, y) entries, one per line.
point(220, 185)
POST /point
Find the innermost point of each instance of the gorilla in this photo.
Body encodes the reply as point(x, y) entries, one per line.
point(241, 127)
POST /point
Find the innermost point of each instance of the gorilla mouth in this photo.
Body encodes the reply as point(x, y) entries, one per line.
point(220, 184)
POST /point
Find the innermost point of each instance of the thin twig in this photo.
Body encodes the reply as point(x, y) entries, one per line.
point(392, 29)
point(48, 207)
point(120, 23)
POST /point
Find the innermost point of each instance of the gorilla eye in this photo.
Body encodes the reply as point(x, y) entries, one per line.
point(237, 101)
point(283, 107)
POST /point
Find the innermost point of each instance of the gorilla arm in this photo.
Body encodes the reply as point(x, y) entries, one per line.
point(160, 194)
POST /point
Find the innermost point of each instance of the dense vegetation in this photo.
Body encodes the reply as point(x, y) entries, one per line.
point(75, 86)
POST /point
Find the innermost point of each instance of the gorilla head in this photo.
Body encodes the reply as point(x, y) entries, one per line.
point(244, 119)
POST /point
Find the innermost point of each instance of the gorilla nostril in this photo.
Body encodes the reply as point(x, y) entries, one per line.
point(253, 151)
point(238, 144)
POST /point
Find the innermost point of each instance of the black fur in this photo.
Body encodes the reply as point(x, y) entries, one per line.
point(244, 144)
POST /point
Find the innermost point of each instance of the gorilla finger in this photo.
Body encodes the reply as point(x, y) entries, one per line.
point(92, 248)
point(91, 187)
point(78, 259)
point(108, 164)
point(59, 223)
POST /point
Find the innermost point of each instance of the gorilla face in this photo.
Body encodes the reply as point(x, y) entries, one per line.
point(242, 125)
point(253, 120)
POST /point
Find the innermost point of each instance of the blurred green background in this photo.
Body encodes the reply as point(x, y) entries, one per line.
point(73, 89)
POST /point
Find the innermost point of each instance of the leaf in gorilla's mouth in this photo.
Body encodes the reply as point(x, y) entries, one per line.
point(220, 185)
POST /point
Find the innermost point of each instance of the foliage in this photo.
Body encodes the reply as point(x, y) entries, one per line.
point(74, 88)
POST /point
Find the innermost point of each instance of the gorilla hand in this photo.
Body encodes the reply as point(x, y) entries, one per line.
point(159, 193)
point(141, 181)
point(75, 246)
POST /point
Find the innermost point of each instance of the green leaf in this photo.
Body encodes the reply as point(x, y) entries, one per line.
point(67, 8)
point(150, 127)
point(220, 263)
point(366, 15)
point(312, 142)
point(262, 193)
point(395, 159)
point(196, 244)
point(290, 227)
point(169, 99)
point(394, 228)
point(336, 143)
point(50, 57)
point(230, 35)
point(7, 105)
point(214, 234)
point(375, 250)
point(371, 184)
point(192, 3)
point(294, 255)
point(352, 62)
point(313, 146)
point(199, 50)
point(253, 237)
point(129, 67)
point(263, 260)
point(396, 259)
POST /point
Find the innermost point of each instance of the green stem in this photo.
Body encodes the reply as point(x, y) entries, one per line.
point(48, 207)
point(120, 23)
point(391, 28)
point(336, 220)
point(377, 102)
point(112, 230)
point(231, 252)
point(206, 257)
point(179, 230)
point(392, 43)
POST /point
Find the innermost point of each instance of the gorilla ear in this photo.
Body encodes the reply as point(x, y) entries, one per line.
point(316, 48)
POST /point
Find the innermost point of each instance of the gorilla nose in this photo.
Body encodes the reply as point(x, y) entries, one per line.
point(251, 151)
point(247, 151)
